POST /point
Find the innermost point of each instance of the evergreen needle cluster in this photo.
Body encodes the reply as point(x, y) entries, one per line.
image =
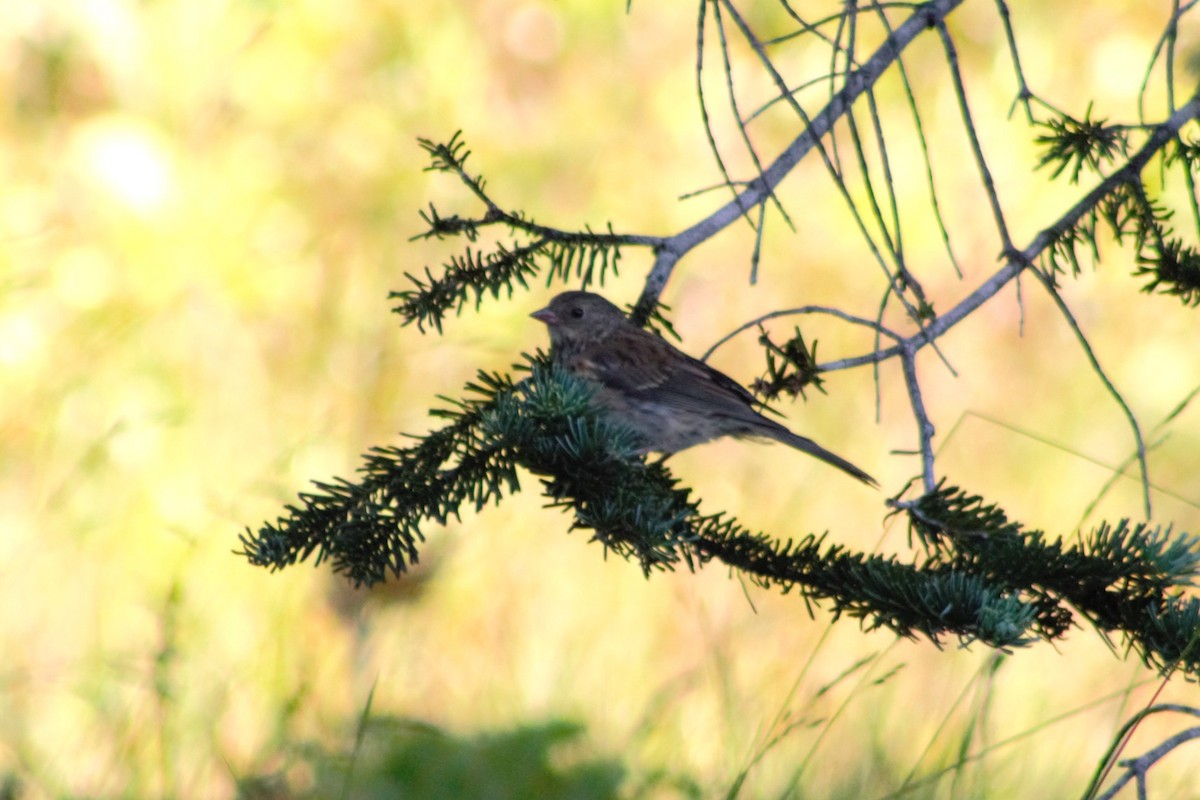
point(976, 575)
point(979, 575)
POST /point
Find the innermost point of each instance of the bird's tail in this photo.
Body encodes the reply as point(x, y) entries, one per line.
point(814, 449)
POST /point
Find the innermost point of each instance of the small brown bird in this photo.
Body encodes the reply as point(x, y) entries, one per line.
point(671, 400)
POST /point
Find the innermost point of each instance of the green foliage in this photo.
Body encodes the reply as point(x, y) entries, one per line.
point(402, 758)
point(981, 577)
point(1126, 212)
point(1078, 143)
point(562, 255)
point(428, 302)
point(1124, 578)
point(657, 322)
point(372, 527)
point(1173, 268)
point(791, 367)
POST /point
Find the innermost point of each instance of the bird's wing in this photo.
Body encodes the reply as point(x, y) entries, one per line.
point(644, 366)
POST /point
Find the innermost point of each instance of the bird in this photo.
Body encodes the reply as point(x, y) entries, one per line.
point(670, 400)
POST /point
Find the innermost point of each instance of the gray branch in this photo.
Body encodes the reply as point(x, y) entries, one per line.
point(673, 248)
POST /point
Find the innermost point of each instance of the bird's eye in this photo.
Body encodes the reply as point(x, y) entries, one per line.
point(577, 313)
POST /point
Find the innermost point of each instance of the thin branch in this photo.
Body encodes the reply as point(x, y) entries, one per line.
point(909, 279)
point(1140, 766)
point(674, 247)
point(925, 429)
point(1188, 177)
point(786, 312)
point(1023, 93)
point(1108, 384)
point(919, 127)
point(451, 162)
point(1137, 767)
point(706, 120)
point(985, 173)
point(1017, 261)
point(731, 92)
point(833, 169)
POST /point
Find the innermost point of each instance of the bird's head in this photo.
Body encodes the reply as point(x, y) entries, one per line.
point(574, 317)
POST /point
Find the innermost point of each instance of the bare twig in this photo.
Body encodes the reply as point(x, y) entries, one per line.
point(925, 429)
point(830, 165)
point(1017, 261)
point(1023, 93)
point(1137, 768)
point(985, 172)
point(1108, 384)
point(674, 247)
point(731, 92)
point(786, 312)
point(743, 210)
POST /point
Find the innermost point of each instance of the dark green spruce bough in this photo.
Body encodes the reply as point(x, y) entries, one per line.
point(980, 576)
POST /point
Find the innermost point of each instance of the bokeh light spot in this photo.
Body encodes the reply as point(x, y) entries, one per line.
point(128, 160)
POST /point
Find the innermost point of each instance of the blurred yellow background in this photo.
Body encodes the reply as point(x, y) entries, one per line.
point(204, 207)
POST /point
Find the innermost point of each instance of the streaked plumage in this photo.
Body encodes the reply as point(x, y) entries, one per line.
point(671, 400)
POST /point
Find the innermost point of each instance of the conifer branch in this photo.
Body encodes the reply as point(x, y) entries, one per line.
point(559, 254)
point(1124, 578)
point(976, 575)
point(983, 578)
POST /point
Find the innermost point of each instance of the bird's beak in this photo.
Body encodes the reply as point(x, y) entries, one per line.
point(545, 315)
